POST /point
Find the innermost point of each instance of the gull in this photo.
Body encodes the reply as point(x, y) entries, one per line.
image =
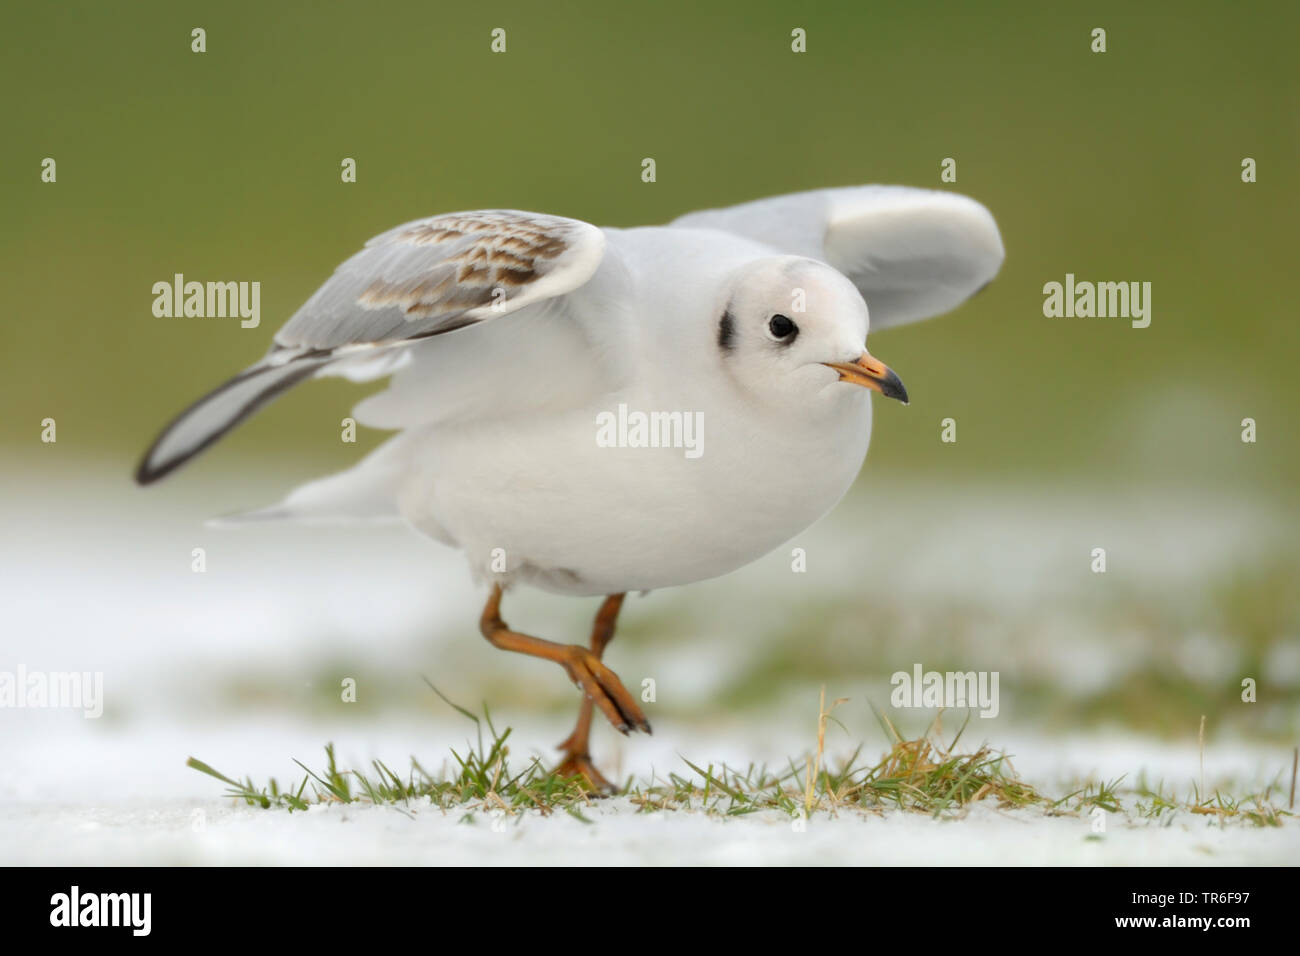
point(508, 336)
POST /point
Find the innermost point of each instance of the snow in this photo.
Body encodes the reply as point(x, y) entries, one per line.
point(108, 587)
point(119, 795)
point(173, 834)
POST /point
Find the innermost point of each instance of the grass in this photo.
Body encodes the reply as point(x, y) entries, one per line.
point(921, 775)
point(483, 778)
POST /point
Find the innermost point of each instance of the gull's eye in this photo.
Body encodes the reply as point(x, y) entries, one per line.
point(782, 327)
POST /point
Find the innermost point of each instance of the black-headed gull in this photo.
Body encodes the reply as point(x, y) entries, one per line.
point(617, 409)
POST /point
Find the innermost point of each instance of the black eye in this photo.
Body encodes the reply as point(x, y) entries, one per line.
point(782, 328)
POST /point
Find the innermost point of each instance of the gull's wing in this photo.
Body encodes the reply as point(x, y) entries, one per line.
point(912, 253)
point(436, 275)
point(419, 280)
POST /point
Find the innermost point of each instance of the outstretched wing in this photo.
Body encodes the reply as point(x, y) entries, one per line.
point(419, 280)
point(436, 275)
point(912, 253)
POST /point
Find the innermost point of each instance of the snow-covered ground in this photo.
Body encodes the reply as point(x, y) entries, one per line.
point(125, 797)
point(169, 834)
point(223, 665)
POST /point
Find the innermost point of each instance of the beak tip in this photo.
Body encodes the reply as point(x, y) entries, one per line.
point(892, 387)
point(873, 374)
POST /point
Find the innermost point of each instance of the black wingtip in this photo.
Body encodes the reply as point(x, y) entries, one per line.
point(153, 467)
point(146, 475)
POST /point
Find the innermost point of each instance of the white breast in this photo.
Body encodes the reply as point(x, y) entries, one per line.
point(501, 454)
point(570, 516)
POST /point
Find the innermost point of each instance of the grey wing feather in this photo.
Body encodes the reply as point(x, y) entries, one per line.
point(912, 253)
point(436, 275)
point(421, 279)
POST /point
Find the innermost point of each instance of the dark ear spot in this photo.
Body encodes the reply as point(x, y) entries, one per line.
point(726, 332)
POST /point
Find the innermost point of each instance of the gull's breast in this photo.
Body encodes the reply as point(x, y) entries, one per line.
point(550, 501)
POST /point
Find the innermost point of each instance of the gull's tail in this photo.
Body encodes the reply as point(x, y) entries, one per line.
point(222, 409)
point(365, 493)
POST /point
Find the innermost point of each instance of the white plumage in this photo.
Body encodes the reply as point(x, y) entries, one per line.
point(507, 334)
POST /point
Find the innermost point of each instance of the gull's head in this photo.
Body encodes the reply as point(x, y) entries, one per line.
point(796, 325)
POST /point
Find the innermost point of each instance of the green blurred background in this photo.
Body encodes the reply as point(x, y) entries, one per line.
point(1122, 166)
point(225, 165)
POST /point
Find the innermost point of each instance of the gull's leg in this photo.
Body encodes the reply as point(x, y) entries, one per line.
point(577, 756)
point(600, 684)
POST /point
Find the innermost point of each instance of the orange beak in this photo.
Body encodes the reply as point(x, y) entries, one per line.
point(871, 373)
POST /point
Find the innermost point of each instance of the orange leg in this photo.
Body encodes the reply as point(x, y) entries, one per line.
point(600, 685)
point(577, 755)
